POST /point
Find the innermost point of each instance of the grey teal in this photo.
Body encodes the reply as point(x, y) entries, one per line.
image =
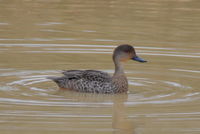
point(92, 81)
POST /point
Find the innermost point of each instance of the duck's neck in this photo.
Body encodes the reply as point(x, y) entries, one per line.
point(119, 68)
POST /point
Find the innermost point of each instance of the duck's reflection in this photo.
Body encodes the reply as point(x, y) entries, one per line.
point(103, 104)
point(120, 121)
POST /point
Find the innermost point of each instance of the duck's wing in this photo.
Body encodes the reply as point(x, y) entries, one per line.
point(73, 74)
point(89, 75)
point(94, 75)
point(68, 75)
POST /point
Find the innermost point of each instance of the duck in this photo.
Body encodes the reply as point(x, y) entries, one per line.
point(94, 81)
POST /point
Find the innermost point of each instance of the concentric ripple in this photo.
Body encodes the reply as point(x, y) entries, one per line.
point(146, 86)
point(142, 90)
point(38, 102)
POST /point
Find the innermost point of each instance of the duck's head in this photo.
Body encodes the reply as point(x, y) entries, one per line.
point(126, 52)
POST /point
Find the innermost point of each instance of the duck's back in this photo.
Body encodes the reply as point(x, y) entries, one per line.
point(86, 81)
point(90, 75)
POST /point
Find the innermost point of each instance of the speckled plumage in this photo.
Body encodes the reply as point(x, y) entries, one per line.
point(92, 81)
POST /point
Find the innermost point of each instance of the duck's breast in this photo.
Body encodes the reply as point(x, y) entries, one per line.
point(120, 82)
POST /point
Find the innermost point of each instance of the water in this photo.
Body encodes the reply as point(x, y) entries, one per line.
point(39, 38)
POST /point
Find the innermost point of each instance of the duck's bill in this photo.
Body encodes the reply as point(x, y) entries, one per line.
point(136, 58)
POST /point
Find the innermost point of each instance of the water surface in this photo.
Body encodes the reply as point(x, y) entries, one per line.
point(39, 38)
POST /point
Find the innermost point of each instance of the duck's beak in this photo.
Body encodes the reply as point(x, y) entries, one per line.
point(136, 58)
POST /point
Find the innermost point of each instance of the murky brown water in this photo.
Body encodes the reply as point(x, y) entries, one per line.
point(38, 38)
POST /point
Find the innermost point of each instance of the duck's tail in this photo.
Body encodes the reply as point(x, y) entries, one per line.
point(58, 80)
point(53, 78)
